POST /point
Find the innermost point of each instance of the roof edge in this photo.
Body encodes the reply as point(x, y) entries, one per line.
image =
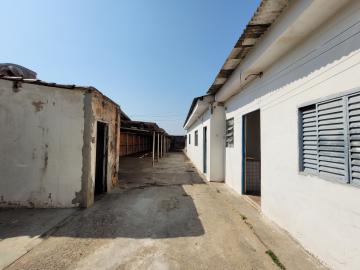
point(193, 105)
point(265, 15)
point(57, 85)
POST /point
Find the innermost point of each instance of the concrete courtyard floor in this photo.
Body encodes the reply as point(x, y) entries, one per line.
point(166, 217)
point(23, 229)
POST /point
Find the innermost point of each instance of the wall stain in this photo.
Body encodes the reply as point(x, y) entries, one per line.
point(46, 157)
point(50, 199)
point(16, 86)
point(34, 153)
point(78, 198)
point(39, 105)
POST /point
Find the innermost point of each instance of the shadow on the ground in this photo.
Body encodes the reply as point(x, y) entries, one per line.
point(151, 212)
point(30, 222)
point(151, 204)
point(174, 169)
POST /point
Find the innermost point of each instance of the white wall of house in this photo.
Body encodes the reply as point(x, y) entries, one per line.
point(217, 151)
point(323, 215)
point(195, 153)
point(214, 120)
point(41, 145)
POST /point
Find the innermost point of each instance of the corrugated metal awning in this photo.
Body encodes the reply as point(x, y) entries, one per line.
point(265, 15)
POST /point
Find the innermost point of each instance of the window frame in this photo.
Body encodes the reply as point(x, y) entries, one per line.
point(189, 138)
point(227, 144)
point(196, 136)
point(315, 102)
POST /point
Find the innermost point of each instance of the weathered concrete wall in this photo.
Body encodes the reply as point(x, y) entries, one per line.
point(41, 145)
point(321, 214)
point(102, 109)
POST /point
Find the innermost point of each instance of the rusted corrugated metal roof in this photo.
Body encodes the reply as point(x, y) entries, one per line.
point(141, 126)
point(265, 15)
point(124, 116)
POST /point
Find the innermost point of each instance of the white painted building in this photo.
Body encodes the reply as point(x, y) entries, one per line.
point(282, 121)
point(59, 144)
point(206, 152)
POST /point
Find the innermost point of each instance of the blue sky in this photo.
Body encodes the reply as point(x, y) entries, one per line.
point(151, 57)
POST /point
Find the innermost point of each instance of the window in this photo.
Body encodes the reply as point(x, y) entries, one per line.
point(229, 136)
point(330, 139)
point(196, 138)
point(189, 138)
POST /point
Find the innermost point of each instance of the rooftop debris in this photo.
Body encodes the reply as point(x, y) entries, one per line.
point(14, 70)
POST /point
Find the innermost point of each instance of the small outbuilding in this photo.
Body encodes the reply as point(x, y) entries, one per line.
point(59, 146)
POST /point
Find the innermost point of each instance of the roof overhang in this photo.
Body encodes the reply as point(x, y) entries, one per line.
point(267, 12)
point(197, 109)
point(140, 126)
point(288, 29)
point(124, 116)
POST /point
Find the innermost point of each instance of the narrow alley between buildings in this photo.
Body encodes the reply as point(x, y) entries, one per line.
point(166, 217)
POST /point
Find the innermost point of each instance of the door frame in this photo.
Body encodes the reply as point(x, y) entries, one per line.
point(243, 154)
point(105, 157)
point(205, 150)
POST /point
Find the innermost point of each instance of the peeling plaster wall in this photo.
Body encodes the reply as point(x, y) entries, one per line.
point(41, 145)
point(102, 109)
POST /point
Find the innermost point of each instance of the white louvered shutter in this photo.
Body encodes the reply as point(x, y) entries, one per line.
point(309, 139)
point(332, 139)
point(354, 137)
point(229, 137)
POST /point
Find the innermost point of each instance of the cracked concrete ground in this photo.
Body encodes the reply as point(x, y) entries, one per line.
point(167, 218)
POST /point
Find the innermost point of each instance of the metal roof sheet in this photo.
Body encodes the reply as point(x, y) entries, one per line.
point(265, 15)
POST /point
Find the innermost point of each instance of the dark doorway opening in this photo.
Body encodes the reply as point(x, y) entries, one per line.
point(204, 149)
point(252, 156)
point(101, 158)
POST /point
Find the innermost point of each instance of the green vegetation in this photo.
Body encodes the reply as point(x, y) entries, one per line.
point(275, 259)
